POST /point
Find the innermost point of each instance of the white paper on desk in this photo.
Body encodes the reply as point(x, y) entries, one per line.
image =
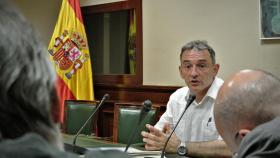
point(130, 151)
point(133, 151)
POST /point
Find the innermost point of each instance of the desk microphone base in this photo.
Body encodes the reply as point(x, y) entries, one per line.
point(74, 149)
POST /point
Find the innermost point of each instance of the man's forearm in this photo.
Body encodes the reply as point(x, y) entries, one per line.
point(209, 149)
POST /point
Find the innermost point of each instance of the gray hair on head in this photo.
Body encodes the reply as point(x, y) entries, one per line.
point(199, 45)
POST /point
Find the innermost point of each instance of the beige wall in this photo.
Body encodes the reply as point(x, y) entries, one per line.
point(230, 26)
point(42, 14)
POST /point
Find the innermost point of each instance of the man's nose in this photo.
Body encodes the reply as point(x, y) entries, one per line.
point(194, 72)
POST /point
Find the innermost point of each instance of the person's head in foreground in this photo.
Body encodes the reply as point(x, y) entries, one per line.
point(246, 100)
point(27, 93)
point(28, 99)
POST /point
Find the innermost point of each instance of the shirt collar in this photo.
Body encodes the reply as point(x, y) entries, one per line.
point(212, 91)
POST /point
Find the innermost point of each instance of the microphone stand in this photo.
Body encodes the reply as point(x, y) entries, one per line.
point(105, 97)
point(189, 102)
point(131, 138)
point(144, 111)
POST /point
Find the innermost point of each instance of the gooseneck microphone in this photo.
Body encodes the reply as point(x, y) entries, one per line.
point(144, 111)
point(105, 97)
point(189, 102)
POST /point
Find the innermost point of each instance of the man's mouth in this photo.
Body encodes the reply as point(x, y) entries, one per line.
point(194, 82)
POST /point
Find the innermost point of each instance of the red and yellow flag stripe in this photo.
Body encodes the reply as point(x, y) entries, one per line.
point(70, 56)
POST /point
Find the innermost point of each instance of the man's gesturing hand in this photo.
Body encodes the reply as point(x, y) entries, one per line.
point(155, 139)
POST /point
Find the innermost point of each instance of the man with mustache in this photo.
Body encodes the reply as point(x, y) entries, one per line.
point(196, 134)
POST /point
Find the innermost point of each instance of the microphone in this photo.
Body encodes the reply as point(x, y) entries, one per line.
point(147, 105)
point(105, 97)
point(189, 102)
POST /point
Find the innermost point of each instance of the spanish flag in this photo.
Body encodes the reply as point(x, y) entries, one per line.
point(132, 42)
point(69, 53)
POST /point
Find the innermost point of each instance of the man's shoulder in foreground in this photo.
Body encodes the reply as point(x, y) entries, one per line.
point(31, 146)
point(263, 141)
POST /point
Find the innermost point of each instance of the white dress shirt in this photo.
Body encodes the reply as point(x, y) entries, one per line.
point(197, 123)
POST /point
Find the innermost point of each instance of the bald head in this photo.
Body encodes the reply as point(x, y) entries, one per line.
point(247, 99)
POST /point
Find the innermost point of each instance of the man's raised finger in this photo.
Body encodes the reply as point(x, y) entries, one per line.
point(153, 130)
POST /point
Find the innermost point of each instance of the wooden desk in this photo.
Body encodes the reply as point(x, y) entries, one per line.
point(95, 142)
point(90, 141)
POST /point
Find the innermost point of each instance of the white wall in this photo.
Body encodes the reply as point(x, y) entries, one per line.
point(230, 26)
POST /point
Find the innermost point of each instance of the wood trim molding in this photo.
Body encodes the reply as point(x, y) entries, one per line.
point(110, 7)
point(135, 93)
point(116, 6)
point(115, 124)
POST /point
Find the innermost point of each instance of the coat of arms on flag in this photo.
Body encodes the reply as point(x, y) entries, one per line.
point(67, 54)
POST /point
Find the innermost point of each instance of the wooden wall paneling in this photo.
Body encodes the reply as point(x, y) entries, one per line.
point(130, 93)
point(133, 95)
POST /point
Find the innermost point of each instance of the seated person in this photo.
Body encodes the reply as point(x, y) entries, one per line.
point(28, 95)
point(196, 131)
point(246, 114)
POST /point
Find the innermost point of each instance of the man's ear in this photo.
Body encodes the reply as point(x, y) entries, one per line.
point(243, 132)
point(240, 135)
point(180, 71)
point(216, 68)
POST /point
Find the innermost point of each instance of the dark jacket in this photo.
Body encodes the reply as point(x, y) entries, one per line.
point(263, 141)
point(30, 146)
point(34, 146)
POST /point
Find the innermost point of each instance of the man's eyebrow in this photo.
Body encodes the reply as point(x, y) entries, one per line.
point(202, 60)
point(189, 61)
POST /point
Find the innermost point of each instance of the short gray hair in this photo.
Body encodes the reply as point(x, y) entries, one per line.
point(28, 98)
point(199, 45)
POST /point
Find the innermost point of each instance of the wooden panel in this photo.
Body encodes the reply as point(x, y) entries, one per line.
point(117, 6)
point(105, 120)
point(109, 7)
point(133, 95)
point(115, 125)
